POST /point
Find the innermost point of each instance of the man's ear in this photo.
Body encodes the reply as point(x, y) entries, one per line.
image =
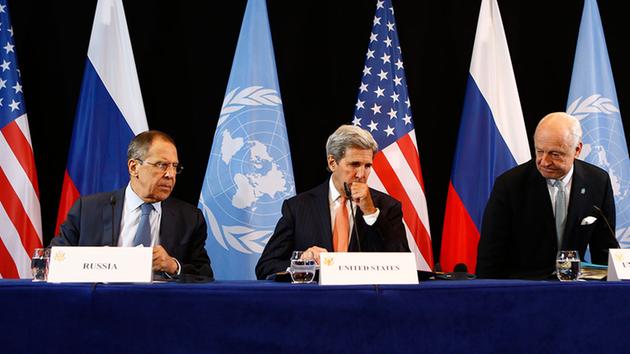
point(578, 150)
point(332, 164)
point(132, 166)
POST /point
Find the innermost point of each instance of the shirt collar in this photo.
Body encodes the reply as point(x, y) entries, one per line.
point(333, 193)
point(565, 180)
point(133, 201)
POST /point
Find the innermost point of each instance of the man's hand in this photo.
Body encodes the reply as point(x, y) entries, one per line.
point(163, 262)
point(361, 195)
point(313, 252)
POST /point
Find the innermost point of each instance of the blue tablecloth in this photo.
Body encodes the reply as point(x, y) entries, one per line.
point(480, 316)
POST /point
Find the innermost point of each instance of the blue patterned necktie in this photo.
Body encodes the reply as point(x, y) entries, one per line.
point(561, 210)
point(143, 235)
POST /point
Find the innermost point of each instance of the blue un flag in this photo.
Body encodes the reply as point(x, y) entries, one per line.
point(249, 172)
point(593, 100)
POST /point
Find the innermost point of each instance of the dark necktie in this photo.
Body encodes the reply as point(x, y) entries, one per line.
point(143, 235)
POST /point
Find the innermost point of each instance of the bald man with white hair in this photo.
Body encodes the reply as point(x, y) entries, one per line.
point(542, 206)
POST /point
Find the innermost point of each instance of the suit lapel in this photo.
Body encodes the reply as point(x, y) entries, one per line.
point(542, 199)
point(577, 198)
point(167, 226)
point(322, 211)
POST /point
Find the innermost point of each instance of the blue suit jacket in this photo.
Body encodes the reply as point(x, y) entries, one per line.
point(182, 228)
point(305, 222)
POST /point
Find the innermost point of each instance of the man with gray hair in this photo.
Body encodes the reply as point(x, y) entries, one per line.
point(319, 220)
point(142, 214)
point(550, 203)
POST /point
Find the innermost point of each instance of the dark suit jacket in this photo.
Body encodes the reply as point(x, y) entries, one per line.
point(518, 234)
point(305, 222)
point(182, 229)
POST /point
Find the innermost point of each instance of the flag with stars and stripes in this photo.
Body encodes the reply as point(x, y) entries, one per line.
point(383, 107)
point(20, 218)
point(492, 139)
point(109, 114)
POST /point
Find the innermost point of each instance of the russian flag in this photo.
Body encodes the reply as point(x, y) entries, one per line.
point(492, 139)
point(109, 114)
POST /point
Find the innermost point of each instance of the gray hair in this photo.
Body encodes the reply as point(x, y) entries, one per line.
point(575, 129)
point(349, 136)
point(140, 144)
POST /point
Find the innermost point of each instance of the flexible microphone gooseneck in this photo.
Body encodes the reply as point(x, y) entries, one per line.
point(601, 213)
point(346, 189)
point(112, 202)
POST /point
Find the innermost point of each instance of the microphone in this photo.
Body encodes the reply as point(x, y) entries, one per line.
point(346, 189)
point(460, 268)
point(112, 202)
point(460, 272)
point(601, 213)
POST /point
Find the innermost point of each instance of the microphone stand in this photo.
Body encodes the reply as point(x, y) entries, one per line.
point(601, 213)
point(346, 189)
point(112, 202)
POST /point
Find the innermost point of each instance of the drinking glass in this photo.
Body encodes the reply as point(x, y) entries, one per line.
point(302, 267)
point(568, 265)
point(39, 264)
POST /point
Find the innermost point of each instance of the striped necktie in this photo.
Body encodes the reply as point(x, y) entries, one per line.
point(341, 230)
point(561, 210)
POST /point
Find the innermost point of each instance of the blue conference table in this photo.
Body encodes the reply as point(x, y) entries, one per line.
point(475, 316)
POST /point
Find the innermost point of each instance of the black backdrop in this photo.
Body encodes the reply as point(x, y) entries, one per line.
point(184, 51)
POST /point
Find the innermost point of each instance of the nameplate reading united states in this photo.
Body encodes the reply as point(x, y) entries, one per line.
point(367, 268)
point(100, 264)
point(618, 264)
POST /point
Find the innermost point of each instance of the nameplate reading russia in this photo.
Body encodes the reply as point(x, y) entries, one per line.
point(367, 268)
point(100, 265)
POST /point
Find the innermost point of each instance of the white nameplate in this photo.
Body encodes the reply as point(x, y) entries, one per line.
point(618, 264)
point(367, 268)
point(100, 265)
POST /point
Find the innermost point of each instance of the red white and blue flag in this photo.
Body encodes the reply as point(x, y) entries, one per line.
point(109, 114)
point(20, 218)
point(383, 107)
point(492, 139)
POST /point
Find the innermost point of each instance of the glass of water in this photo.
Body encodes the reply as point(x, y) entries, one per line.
point(302, 267)
point(568, 265)
point(39, 264)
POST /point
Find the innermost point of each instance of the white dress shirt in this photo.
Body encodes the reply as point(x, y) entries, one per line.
point(566, 181)
point(131, 219)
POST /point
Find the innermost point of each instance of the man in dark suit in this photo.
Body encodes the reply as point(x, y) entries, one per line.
point(319, 220)
point(142, 213)
point(550, 203)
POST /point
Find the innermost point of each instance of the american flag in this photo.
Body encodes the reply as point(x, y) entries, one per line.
point(383, 107)
point(20, 218)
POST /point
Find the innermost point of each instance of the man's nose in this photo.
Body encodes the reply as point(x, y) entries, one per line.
point(169, 173)
point(545, 159)
point(359, 172)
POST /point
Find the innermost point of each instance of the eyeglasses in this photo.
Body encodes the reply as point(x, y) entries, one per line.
point(164, 166)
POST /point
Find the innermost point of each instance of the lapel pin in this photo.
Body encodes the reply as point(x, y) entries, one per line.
point(583, 191)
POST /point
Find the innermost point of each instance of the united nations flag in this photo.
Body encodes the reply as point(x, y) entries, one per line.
point(593, 100)
point(249, 172)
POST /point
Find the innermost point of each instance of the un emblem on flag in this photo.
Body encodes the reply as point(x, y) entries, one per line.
point(604, 146)
point(249, 172)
